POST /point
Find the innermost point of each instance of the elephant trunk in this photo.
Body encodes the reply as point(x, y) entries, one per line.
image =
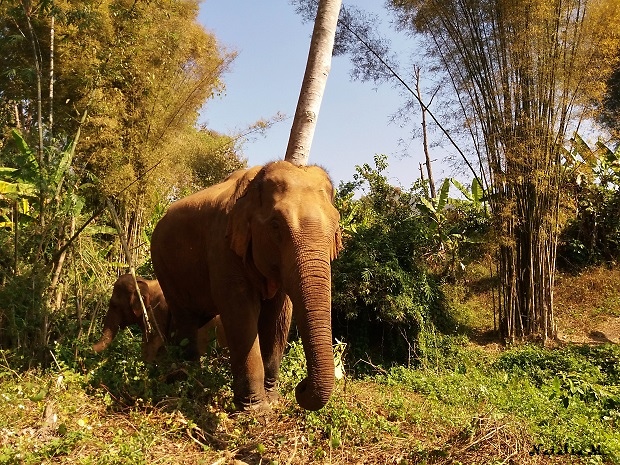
point(110, 330)
point(311, 299)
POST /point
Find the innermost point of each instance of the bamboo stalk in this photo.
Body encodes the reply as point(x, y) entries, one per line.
point(132, 270)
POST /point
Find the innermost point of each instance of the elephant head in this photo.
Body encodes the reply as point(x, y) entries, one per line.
point(284, 226)
point(125, 309)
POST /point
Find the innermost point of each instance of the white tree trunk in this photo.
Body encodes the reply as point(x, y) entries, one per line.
point(313, 85)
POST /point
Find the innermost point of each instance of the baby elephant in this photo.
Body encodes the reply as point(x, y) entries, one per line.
point(125, 309)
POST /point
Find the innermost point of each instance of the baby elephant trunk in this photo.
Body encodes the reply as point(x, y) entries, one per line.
point(110, 330)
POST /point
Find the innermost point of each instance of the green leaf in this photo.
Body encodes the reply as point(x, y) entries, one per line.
point(63, 165)
point(29, 169)
point(476, 191)
point(443, 194)
point(17, 188)
point(609, 155)
point(583, 149)
point(78, 203)
point(92, 230)
point(24, 206)
point(427, 206)
point(39, 396)
point(22, 145)
point(7, 172)
point(462, 188)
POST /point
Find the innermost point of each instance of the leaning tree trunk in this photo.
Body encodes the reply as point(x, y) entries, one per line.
point(313, 85)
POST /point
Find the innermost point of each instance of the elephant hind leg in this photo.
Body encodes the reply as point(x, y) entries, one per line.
point(182, 330)
point(210, 332)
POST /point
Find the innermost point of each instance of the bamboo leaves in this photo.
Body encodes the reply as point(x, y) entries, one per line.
point(520, 72)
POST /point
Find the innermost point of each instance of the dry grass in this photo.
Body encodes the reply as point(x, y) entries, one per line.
point(587, 306)
point(368, 423)
point(47, 418)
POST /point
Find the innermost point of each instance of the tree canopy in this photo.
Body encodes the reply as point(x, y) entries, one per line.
point(524, 74)
point(140, 71)
point(99, 105)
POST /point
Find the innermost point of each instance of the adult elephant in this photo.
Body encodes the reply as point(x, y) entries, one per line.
point(254, 249)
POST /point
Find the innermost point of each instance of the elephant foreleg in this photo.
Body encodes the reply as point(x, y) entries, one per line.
point(245, 357)
point(273, 327)
point(150, 347)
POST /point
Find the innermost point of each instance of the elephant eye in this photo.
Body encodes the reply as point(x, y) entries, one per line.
point(276, 234)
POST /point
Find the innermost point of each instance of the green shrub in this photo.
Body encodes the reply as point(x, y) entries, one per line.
point(387, 280)
point(120, 375)
point(592, 235)
point(567, 399)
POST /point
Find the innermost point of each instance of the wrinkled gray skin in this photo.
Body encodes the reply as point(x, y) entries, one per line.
point(124, 309)
point(254, 249)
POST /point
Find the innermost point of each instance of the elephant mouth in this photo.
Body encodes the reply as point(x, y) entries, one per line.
point(270, 288)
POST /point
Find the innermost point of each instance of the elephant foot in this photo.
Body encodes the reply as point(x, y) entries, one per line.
point(273, 396)
point(259, 407)
point(180, 374)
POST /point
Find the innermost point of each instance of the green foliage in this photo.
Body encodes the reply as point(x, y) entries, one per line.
point(610, 115)
point(112, 409)
point(211, 158)
point(139, 72)
point(457, 227)
point(340, 425)
point(128, 81)
point(336, 425)
point(293, 368)
point(386, 281)
point(379, 283)
point(592, 235)
point(567, 398)
point(562, 401)
point(37, 222)
point(128, 380)
point(59, 415)
point(22, 310)
point(590, 374)
point(36, 188)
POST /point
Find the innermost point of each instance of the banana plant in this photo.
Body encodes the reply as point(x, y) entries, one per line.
point(434, 207)
point(592, 166)
point(38, 185)
point(37, 197)
point(446, 241)
point(447, 237)
point(17, 193)
point(475, 194)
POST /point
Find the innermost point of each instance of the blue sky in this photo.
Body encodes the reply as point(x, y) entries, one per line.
point(272, 45)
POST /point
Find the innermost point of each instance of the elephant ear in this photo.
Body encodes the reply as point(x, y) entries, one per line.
point(135, 298)
point(337, 245)
point(245, 199)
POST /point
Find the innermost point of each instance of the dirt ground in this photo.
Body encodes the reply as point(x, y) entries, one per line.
point(587, 306)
